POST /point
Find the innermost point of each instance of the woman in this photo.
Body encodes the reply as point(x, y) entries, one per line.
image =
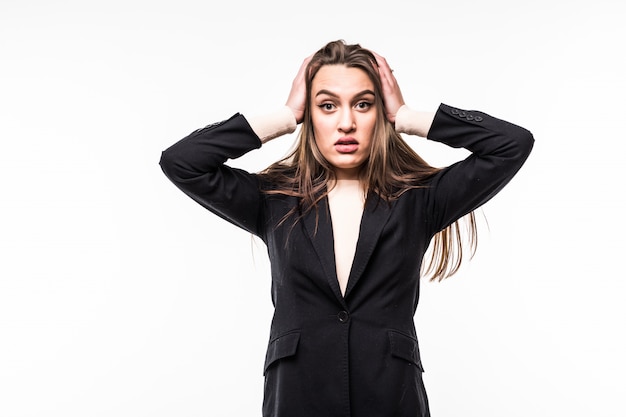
point(347, 218)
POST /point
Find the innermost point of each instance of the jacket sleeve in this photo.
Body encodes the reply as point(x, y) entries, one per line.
point(498, 150)
point(196, 165)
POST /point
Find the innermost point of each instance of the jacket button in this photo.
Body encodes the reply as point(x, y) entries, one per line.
point(343, 316)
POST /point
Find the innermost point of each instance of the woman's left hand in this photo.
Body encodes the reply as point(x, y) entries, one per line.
point(392, 96)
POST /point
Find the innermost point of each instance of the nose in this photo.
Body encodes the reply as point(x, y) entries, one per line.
point(346, 122)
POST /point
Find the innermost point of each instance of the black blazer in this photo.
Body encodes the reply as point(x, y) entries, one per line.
point(355, 355)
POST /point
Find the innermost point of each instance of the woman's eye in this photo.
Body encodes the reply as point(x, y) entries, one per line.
point(326, 106)
point(364, 105)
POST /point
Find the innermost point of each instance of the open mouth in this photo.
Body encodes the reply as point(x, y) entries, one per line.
point(346, 145)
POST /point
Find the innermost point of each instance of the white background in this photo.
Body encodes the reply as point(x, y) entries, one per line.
point(119, 296)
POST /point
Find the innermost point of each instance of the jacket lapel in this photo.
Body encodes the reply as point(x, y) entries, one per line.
point(375, 217)
point(320, 233)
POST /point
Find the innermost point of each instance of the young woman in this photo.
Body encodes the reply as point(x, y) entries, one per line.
point(347, 218)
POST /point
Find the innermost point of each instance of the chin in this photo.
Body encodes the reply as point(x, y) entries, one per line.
point(346, 166)
point(356, 167)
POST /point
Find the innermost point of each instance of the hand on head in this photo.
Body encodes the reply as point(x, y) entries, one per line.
point(297, 96)
point(392, 96)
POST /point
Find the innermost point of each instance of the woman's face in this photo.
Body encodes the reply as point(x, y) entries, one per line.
point(344, 115)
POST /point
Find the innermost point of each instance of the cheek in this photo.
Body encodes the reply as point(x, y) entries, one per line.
point(323, 133)
point(319, 143)
point(368, 130)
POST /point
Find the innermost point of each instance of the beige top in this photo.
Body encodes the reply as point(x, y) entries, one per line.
point(346, 198)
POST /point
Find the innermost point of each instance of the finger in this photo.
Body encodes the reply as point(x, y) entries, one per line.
point(383, 65)
point(305, 64)
point(385, 71)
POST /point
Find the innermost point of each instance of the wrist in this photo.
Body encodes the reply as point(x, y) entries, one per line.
point(271, 125)
point(413, 122)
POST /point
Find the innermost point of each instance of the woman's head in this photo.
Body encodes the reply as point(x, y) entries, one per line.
point(344, 122)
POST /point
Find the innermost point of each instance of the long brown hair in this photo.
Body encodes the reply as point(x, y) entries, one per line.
point(392, 168)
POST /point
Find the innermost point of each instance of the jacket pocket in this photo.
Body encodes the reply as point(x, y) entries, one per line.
point(281, 347)
point(405, 347)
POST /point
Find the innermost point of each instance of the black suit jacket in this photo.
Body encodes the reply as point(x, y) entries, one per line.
point(355, 355)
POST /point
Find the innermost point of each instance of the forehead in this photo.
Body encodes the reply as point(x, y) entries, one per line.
point(340, 79)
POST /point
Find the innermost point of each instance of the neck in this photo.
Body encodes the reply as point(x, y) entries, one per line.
point(348, 174)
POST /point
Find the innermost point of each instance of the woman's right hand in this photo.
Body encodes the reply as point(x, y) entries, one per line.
point(297, 96)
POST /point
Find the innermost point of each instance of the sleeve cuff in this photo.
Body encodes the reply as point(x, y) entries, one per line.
point(272, 125)
point(413, 122)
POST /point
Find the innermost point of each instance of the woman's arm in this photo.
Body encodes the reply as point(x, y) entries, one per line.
point(499, 149)
point(196, 165)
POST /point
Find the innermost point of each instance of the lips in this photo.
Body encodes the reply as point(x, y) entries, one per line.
point(346, 145)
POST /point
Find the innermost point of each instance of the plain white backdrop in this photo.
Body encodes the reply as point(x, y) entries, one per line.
point(119, 296)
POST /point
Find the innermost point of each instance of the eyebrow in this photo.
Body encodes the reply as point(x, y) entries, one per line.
point(330, 93)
